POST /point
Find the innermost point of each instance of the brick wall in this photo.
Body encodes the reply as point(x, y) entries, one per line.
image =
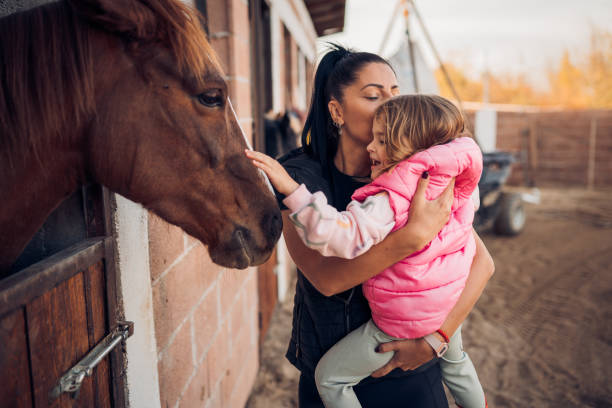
point(293, 77)
point(310, 73)
point(284, 42)
point(557, 148)
point(206, 316)
point(289, 54)
point(205, 322)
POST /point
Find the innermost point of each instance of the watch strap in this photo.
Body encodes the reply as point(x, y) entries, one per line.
point(439, 347)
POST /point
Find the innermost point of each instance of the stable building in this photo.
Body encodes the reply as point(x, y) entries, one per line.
point(102, 261)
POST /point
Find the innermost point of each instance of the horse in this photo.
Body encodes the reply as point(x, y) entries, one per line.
point(128, 94)
point(281, 132)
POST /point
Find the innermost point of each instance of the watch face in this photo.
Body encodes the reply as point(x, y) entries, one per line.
point(443, 349)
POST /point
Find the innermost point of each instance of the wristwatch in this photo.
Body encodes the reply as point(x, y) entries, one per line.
point(440, 347)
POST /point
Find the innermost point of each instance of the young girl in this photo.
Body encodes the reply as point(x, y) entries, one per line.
point(412, 134)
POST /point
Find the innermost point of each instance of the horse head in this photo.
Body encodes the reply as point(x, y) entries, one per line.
point(166, 135)
point(155, 123)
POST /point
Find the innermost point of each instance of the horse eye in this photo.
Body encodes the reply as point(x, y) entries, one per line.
point(211, 99)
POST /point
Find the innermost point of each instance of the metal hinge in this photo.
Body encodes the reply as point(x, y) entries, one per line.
point(72, 380)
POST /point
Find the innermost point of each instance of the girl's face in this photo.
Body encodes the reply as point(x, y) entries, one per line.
point(377, 148)
point(375, 83)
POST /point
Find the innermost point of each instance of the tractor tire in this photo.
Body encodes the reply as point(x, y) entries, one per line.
point(512, 216)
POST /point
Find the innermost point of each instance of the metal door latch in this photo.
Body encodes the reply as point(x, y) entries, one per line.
point(71, 381)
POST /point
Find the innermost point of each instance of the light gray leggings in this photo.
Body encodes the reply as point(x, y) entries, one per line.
point(354, 358)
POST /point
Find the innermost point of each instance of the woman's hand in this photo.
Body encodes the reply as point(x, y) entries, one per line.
point(409, 354)
point(277, 174)
point(426, 218)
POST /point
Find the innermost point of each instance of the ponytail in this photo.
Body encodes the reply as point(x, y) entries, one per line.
point(337, 69)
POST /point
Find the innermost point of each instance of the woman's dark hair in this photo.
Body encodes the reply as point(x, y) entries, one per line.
point(337, 69)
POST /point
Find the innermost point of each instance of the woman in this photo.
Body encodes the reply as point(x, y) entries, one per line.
point(329, 303)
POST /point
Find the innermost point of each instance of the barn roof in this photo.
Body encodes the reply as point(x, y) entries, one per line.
point(327, 15)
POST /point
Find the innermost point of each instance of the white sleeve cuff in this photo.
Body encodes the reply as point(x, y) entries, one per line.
point(299, 199)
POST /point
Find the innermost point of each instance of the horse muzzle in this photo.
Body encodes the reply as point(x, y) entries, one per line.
point(243, 249)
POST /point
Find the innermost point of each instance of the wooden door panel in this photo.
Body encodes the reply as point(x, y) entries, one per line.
point(95, 293)
point(57, 331)
point(61, 314)
point(60, 306)
point(14, 362)
point(268, 293)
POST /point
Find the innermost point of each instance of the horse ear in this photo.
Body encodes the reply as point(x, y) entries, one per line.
point(284, 120)
point(127, 18)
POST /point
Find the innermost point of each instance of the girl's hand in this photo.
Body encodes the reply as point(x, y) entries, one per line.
point(277, 174)
point(409, 354)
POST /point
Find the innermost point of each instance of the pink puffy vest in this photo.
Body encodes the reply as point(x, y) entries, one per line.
point(412, 298)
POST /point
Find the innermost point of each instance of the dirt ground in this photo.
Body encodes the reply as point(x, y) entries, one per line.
point(541, 334)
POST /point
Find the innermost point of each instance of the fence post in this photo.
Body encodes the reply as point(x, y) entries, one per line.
point(592, 151)
point(533, 150)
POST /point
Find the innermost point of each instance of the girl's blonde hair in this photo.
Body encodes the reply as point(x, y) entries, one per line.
point(416, 122)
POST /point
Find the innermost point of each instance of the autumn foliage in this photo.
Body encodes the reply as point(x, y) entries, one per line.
point(585, 83)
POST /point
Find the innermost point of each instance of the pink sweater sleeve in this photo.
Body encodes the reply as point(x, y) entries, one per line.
point(346, 234)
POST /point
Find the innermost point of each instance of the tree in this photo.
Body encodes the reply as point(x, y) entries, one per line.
point(467, 88)
point(584, 84)
point(599, 69)
point(568, 85)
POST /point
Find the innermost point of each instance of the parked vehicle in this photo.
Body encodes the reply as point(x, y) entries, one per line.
point(502, 210)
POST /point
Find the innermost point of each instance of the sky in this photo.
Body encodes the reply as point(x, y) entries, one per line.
point(503, 36)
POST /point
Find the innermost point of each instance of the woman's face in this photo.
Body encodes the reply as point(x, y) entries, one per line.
point(375, 83)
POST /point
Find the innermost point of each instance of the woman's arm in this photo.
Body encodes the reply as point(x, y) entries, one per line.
point(413, 353)
point(332, 275)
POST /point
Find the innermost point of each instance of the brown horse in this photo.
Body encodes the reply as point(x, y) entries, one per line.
point(128, 94)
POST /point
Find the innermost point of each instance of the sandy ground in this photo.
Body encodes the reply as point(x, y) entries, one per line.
point(541, 334)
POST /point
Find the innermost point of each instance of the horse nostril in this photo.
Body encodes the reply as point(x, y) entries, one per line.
point(273, 225)
point(241, 244)
point(241, 237)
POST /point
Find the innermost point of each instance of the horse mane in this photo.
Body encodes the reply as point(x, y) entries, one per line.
point(46, 78)
point(169, 23)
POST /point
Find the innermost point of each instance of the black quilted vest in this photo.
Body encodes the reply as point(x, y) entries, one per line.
point(319, 322)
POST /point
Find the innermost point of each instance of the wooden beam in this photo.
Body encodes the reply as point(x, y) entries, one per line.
point(326, 18)
point(18, 289)
point(329, 21)
point(324, 8)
